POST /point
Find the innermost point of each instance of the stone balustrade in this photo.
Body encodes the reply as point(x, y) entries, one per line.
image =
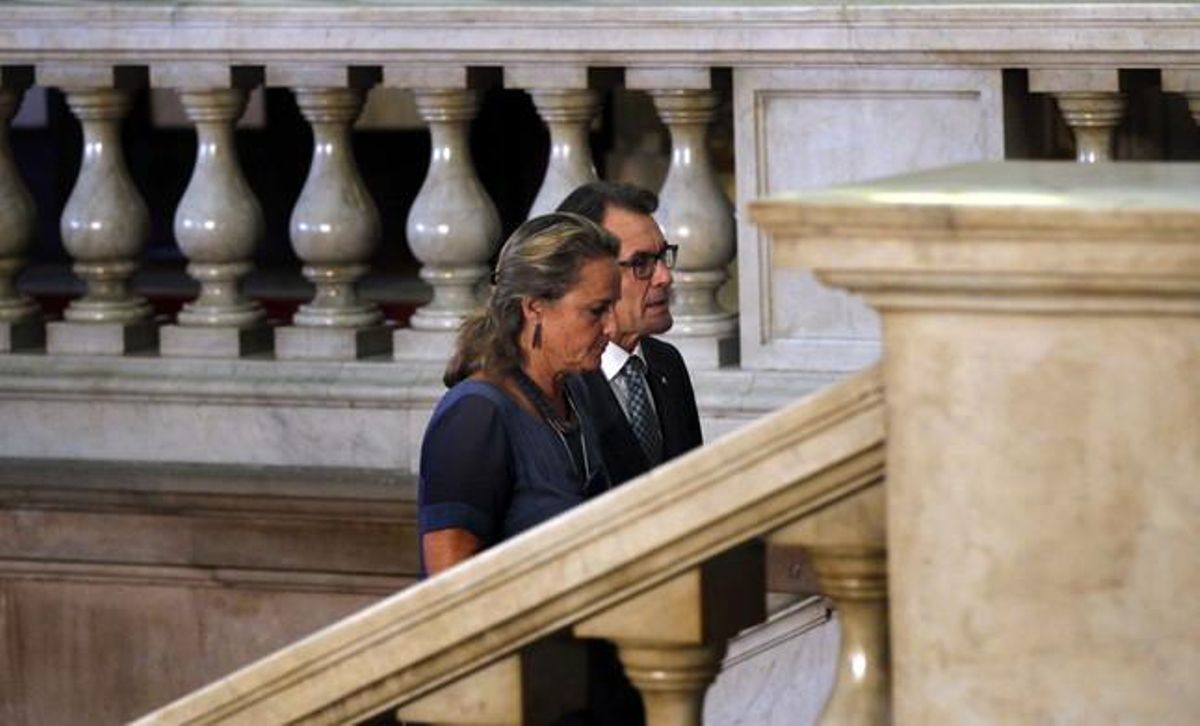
point(909, 98)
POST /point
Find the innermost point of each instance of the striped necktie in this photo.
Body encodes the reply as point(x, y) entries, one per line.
point(642, 417)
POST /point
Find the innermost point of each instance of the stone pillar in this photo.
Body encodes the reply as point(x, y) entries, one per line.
point(453, 227)
point(567, 106)
point(846, 543)
point(105, 223)
point(1041, 338)
point(21, 325)
point(671, 639)
point(1091, 103)
point(1185, 82)
point(694, 213)
point(219, 221)
point(335, 225)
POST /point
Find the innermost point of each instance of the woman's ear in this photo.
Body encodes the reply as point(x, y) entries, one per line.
point(531, 308)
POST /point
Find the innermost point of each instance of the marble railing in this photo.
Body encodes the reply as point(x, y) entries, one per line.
point(667, 567)
point(820, 95)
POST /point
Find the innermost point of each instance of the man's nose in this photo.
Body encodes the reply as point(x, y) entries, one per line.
point(662, 275)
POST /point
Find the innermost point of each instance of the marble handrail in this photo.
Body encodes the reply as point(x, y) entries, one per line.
point(648, 33)
point(781, 468)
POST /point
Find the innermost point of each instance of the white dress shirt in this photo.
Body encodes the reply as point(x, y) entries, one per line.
point(612, 360)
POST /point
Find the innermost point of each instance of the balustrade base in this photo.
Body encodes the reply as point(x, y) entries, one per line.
point(707, 353)
point(182, 341)
point(296, 342)
point(423, 345)
point(69, 338)
point(22, 335)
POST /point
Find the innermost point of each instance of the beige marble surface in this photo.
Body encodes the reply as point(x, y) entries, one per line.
point(809, 128)
point(370, 413)
point(1041, 333)
point(658, 33)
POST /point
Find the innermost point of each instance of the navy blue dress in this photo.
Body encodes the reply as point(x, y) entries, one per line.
point(491, 468)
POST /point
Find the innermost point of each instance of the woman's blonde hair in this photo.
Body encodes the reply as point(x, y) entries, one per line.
point(541, 260)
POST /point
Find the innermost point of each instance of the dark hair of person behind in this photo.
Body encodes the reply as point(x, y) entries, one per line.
point(541, 260)
point(591, 199)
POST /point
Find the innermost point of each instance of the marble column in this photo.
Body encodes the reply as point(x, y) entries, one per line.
point(567, 106)
point(694, 213)
point(453, 227)
point(21, 325)
point(671, 639)
point(334, 226)
point(568, 113)
point(1091, 105)
point(1041, 337)
point(218, 222)
point(856, 580)
point(846, 544)
point(105, 223)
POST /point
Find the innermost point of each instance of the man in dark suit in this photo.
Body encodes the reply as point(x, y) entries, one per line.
point(643, 405)
point(635, 434)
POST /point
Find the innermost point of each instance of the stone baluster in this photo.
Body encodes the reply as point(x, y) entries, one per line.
point(1091, 104)
point(335, 225)
point(453, 228)
point(105, 223)
point(565, 103)
point(671, 639)
point(219, 221)
point(541, 683)
point(21, 325)
point(1187, 84)
point(694, 213)
point(847, 546)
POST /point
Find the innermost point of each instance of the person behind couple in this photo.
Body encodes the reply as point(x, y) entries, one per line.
point(638, 431)
point(512, 444)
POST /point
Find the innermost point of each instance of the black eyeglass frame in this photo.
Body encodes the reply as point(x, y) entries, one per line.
point(643, 264)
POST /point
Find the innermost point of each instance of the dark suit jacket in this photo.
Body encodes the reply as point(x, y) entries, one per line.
point(674, 399)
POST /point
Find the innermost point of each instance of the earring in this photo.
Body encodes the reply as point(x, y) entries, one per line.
point(537, 334)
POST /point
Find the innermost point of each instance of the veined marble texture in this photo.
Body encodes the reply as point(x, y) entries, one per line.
point(365, 414)
point(1042, 328)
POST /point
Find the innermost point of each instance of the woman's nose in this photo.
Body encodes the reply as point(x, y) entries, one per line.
point(609, 325)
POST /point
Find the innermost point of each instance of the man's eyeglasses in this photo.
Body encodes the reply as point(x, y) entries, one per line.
point(643, 264)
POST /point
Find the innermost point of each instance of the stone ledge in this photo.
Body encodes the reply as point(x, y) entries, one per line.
point(984, 33)
point(364, 415)
point(220, 523)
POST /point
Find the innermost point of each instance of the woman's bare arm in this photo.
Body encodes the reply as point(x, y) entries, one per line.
point(445, 548)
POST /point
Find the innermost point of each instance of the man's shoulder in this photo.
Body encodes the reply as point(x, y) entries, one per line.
point(656, 348)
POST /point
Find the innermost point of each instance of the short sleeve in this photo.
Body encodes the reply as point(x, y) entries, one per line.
point(466, 476)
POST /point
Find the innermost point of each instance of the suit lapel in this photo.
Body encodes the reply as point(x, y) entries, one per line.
point(659, 374)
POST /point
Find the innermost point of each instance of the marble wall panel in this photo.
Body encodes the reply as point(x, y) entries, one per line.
point(123, 586)
point(216, 432)
point(812, 128)
point(106, 651)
